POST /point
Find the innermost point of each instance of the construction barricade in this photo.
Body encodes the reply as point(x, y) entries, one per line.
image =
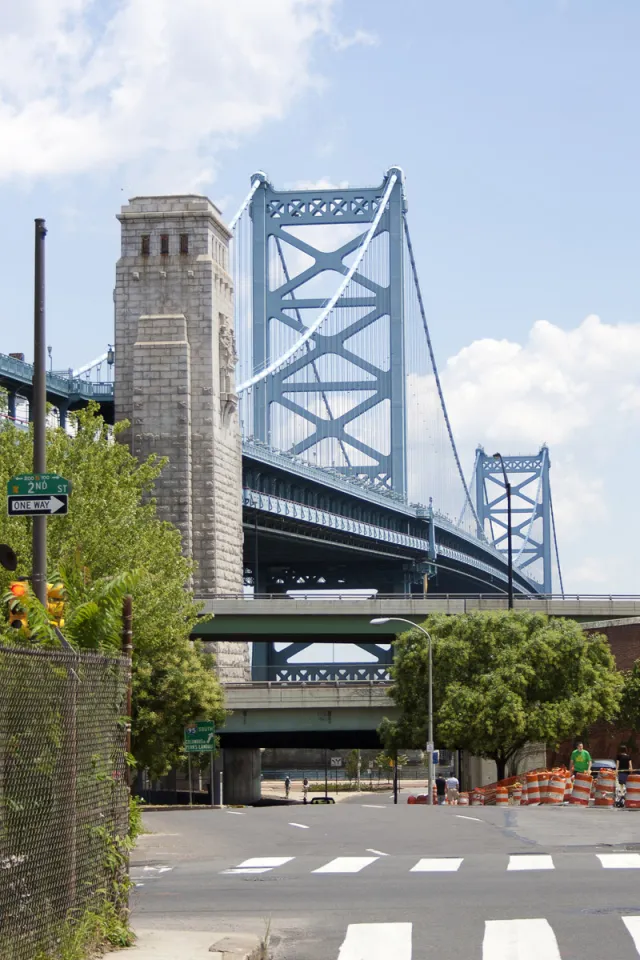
point(581, 793)
point(555, 790)
point(605, 788)
point(502, 797)
point(533, 789)
point(632, 798)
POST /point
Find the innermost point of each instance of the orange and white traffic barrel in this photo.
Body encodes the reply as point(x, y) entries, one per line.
point(516, 795)
point(502, 797)
point(524, 799)
point(568, 787)
point(556, 789)
point(463, 800)
point(477, 798)
point(533, 790)
point(632, 799)
point(543, 786)
point(605, 788)
point(581, 792)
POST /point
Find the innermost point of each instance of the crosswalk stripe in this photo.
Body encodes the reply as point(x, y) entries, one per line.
point(534, 861)
point(519, 940)
point(633, 926)
point(437, 865)
point(346, 865)
point(376, 941)
point(259, 865)
point(619, 861)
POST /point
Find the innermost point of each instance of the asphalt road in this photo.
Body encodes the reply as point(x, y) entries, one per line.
point(367, 880)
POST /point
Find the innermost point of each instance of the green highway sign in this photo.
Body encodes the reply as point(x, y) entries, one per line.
point(200, 736)
point(37, 485)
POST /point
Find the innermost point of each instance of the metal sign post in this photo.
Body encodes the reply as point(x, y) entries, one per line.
point(199, 737)
point(39, 416)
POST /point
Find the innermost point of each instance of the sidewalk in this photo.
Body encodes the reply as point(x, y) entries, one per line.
point(192, 945)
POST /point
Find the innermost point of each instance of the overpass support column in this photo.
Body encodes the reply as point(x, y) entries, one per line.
point(242, 767)
point(11, 400)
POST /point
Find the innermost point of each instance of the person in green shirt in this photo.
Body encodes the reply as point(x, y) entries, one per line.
point(580, 760)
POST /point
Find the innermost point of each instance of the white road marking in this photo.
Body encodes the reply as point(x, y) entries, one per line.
point(534, 861)
point(437, 865)
point(236, 813)
point(519, 940)
point(376, 941)
point(378, 853)
point(461, 816)
point(633, 926)
point(303, 826)
point(258, 865)
point(373, 806)
point(619, 861)
point(346, 865)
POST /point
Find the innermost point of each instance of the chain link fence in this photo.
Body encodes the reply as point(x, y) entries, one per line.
point(63, 790)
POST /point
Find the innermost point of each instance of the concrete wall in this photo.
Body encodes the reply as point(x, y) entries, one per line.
point(175, 362)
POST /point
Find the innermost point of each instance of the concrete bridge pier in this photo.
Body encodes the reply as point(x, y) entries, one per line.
point(242, 767)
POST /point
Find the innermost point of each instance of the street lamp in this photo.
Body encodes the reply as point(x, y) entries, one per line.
point(416, 626)
point(507, 486)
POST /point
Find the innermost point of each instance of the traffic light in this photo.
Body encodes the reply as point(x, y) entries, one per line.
point(17, 613)
point(55, 604)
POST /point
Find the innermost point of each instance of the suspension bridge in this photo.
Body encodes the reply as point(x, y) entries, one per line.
point(351, 478)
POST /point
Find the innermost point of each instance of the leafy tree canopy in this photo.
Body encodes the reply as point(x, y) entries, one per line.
point(112, 542)
point(630, 702)
point(502, 680)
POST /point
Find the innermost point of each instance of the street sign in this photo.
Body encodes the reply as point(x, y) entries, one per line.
point(36, 506)
point(336, 761)
point(200, 737)
point(37, 485)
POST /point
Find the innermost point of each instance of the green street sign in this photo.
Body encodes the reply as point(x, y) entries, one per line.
point(200, 737)
point(37, 485)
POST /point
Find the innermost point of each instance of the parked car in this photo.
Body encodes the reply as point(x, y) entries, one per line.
point(598, 765)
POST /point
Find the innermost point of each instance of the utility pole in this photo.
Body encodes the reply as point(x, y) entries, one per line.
point(39, 411)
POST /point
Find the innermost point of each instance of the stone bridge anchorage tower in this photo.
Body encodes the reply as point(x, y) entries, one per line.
point(175, 383)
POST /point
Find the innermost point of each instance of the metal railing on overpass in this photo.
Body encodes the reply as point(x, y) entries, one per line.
point(322, 673)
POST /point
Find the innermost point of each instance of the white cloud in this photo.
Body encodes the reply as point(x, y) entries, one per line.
point(579, 391)
point(86, 84)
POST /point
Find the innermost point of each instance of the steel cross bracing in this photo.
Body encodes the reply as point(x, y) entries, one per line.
point(272, 213)
point(531, 502)
point(276, 665)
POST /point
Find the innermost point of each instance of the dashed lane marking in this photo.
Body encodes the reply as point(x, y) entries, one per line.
point(303, 826)
point(378, 853)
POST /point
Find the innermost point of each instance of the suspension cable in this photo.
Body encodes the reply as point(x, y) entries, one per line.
point(309, 332)
point(555, 543)
point(245, 203)
point(435, 370)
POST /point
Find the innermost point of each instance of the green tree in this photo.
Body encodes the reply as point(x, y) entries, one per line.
point(629, 715)
point(351, 764)
point(502, 680)
point(112, 530)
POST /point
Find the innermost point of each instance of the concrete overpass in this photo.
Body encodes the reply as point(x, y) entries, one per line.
point(329, 715)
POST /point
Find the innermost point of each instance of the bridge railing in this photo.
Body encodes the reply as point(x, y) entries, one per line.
point(322, 673)
point(518, 598)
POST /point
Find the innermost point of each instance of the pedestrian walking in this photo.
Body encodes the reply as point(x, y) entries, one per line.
point(287, 786)
point(580, 760)
point(441, 789)
point(453, 789)
point(624, 766)
point(305, 788)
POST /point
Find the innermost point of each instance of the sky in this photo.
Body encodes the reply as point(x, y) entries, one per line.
point(516, 126)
